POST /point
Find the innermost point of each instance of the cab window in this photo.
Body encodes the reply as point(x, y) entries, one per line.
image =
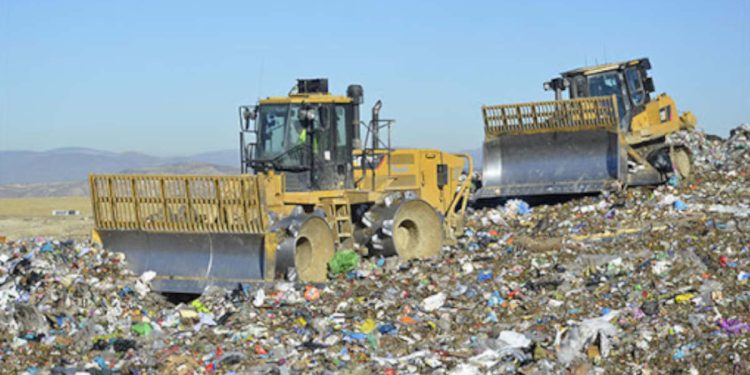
point(635, 86)
point(340, 126)
point(606, 84)
point(272, 124)
point(343, 153)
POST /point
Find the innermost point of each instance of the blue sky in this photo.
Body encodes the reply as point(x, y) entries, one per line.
point(166, 77)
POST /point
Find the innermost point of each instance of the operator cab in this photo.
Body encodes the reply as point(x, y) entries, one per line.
point(308, 135)
point(628, 81)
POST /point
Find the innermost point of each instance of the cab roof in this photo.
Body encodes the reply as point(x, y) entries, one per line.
point(306, 98)
point(588, 70)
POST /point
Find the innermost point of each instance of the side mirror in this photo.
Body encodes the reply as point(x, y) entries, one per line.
point(648, 84)
point(248, 114)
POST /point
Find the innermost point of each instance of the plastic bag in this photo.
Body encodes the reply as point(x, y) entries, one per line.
point(343, 261)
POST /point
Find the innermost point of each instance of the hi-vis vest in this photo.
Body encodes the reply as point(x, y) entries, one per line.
point(303, 137)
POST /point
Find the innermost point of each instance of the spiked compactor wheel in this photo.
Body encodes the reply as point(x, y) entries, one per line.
point(407, 228)
point(314, 246)
point(417, 230)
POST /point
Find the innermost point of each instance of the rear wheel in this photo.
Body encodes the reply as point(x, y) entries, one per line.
point(410, 229)
point(418, 232)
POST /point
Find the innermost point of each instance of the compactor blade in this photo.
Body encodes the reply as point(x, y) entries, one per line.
point(550, 163)
point(557, 147)
point(197, 231)
point(189, 262)
point(193, 231)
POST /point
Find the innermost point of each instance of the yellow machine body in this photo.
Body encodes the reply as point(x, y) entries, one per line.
point(196, 231)
point(610, 133)
point(418, 170)
point(659, 118)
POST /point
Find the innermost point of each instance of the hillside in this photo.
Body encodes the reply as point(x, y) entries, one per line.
point(74, 163)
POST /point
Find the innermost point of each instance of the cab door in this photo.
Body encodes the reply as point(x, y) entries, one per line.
point(636, 91)
point(331, 149)
point(343, 138)
point(323, 170)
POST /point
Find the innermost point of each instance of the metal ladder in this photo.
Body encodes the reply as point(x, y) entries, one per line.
point(339, 215)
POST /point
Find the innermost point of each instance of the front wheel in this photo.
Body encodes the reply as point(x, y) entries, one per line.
point(681, 163)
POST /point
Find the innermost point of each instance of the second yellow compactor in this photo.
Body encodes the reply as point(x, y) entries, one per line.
point(610, 132)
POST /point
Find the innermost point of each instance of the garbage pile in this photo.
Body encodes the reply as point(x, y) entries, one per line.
point(642, 281)
point(710, 152)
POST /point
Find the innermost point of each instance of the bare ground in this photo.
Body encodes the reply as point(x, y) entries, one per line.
point(26, 217)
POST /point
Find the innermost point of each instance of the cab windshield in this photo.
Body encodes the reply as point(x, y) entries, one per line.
point(607, 84)
point(280, 131)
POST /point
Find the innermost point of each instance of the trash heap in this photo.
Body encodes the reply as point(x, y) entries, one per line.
point(645, 281)
point(711, 153)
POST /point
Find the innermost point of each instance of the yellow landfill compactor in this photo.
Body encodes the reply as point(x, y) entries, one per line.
point(307, 188)
point(609, 133)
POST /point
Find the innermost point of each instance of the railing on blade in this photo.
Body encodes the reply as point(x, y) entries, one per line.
point(551, 116)
point(198, 204)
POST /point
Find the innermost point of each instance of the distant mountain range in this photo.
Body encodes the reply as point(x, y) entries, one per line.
point(75, 164)
point(64, 171)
